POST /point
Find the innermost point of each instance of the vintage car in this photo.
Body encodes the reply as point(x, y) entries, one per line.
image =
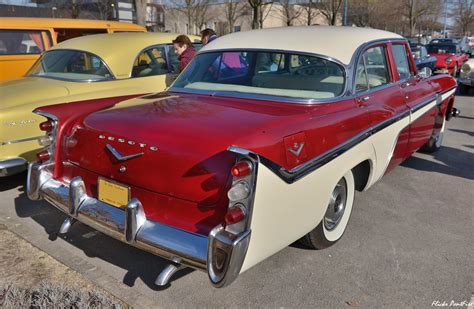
point(22, 40)
point(80, 69)
point(258, 143)
point(449, 57)
point(466, 77)
point(424, 62)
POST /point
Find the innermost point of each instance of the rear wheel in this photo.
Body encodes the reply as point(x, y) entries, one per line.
point(332, 226)
point(436, 140)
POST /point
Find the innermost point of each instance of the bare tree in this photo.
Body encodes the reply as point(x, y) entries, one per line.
point(413, 11)
point(310, 11)
point(290, 12)
point(233, 11)
point(464, 16)
point(256, 6)
point(140, 8)
point(105, 9)
point(330, 10)
point(265, 10)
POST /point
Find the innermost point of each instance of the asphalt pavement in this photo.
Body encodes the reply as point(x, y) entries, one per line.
point(409, 243)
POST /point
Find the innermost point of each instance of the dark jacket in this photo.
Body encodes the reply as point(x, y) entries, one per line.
point(185, 58)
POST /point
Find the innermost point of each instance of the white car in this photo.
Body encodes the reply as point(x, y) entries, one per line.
point(466, 78)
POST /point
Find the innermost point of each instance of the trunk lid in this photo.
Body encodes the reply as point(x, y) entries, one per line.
point(179, 142)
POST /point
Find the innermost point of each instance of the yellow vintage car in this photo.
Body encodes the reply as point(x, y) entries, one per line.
point(91, 67)
point(23, 39)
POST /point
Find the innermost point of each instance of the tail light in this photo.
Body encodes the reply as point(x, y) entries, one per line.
point(43, 155)
point(47, 126)
point(235, 214)
point(239, 191)
point(241, 169)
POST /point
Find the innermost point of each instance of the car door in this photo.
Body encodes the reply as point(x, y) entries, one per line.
point(417, 91)
point(378, 93)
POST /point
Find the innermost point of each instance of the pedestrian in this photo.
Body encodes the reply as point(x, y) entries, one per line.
point(207, 36)
point(185, 50)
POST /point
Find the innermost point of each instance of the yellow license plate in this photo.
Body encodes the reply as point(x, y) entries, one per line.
point(113, 193)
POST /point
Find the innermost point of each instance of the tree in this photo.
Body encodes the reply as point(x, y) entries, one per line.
point(464, 16)
point(233, 11)
point(310, 11)
point(140, 8)
point(289, 12)
point(330, 10)
point(256, 6)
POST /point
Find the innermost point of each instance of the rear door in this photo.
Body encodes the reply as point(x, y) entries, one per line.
point(417, 91)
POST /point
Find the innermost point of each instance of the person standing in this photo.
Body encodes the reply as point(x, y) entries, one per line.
point(185, 51)
point(207, 36)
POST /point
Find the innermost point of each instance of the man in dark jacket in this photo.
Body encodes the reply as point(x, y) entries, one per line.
point(185, 50)
point(207, 36)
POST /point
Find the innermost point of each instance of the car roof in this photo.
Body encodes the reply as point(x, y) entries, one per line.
point(335, 42)
point(35, 23)
point(118, 50)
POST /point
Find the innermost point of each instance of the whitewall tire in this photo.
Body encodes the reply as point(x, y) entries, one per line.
point(334, 223)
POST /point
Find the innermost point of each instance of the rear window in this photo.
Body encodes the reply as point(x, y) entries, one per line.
point(71, 65)
point(282, 74)
point(18, 42)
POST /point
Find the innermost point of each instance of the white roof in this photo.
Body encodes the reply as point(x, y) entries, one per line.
point(336, 42)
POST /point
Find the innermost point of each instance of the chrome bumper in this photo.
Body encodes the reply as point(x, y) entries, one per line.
point(131, 226)
point(12, 166)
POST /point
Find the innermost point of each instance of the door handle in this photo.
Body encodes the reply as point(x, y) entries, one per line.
point(362, 100)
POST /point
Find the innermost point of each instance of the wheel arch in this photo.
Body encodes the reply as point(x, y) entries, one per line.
point(362, 173)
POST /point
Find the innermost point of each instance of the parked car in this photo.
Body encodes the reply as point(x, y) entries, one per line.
point(258, 143)
point(466, 77)
point(22, 40)
point(424, 61)
point(449, 57)
point(80, 69)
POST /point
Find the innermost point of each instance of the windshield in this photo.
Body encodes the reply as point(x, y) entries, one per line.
point(264, 72)
point(441, 49)
point(71, 65)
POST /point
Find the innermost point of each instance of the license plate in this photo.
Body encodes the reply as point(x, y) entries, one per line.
point(113, 193)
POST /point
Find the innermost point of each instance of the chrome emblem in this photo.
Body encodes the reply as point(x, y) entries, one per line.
point(119, 156)
point(131, 142)
point(102, 136)
point(111, 138)
point(122, 169)
point(153, 148)
point(122, 140)
point(297, 149)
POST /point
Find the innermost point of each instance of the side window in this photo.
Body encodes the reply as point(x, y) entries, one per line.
point(14, 42)
point(401, 61)
point(173, 57)
point(151, 62)
point(376, 66)
point(361, 77)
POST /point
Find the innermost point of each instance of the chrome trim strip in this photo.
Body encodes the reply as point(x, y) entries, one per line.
point(290, 176)
point(20, 140)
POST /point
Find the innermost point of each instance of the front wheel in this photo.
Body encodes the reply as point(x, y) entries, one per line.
point(337, 215)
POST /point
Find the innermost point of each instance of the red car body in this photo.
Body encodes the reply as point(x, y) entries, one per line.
point(188, 146)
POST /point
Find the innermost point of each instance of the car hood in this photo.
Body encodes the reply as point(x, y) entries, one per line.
point(182, 140)
point(31, 89)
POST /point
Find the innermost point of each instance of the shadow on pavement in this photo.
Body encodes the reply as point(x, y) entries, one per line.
point(137, 263)
point(10, 182)
point(452, 162)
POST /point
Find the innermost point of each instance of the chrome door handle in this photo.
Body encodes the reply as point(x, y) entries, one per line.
point(364, 99)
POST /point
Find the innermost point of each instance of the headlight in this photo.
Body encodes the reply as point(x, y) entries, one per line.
point(466, 68)
point(448, 61)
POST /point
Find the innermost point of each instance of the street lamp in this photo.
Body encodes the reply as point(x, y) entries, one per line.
point(53, 9)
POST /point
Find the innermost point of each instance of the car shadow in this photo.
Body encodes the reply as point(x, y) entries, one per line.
point(14, 181)
point(138, 263)
point(470, 133)
point(450, 163)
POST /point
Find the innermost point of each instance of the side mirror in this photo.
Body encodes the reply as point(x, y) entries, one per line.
point(425, 72)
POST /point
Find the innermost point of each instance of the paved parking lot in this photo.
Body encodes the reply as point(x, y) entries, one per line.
point(409, 243)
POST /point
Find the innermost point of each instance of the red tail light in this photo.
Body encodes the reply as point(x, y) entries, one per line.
point(241, 169)
point(43, 155)
point(46, 126)
point(234, 215)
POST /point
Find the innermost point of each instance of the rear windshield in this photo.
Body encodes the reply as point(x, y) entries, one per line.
point(18, 42)
point(71, 65)
point(441, 49)
point(264, 72)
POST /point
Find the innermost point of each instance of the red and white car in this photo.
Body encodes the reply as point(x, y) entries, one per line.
point(258, 143)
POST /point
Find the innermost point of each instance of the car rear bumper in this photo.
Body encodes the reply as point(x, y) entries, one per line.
point(12, 166)
point(131, 226)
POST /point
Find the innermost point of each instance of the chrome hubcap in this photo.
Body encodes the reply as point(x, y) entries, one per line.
point(336, 206)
